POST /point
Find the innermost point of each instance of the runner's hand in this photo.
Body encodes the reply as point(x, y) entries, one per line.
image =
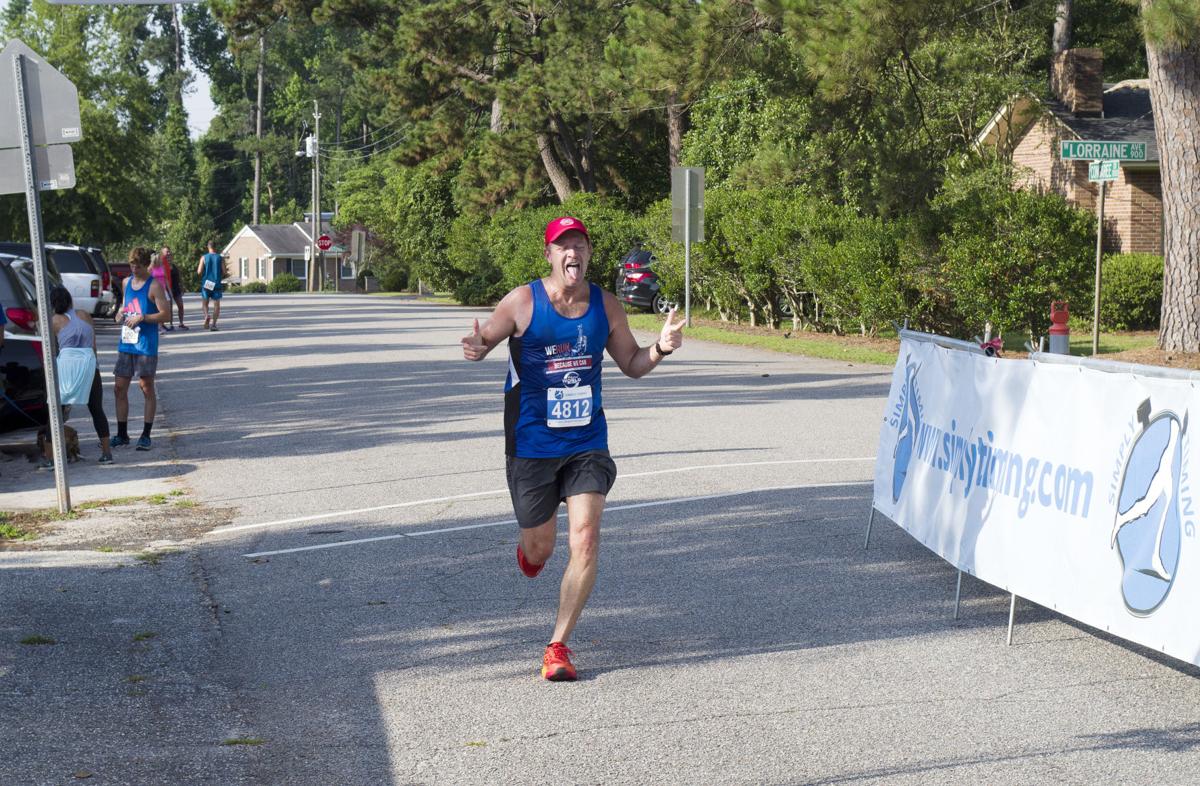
point(473, 346)
point(671, 337)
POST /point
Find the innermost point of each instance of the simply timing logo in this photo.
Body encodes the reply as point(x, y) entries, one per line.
point(1154, 506)
point(908, 419)
point(975, 463)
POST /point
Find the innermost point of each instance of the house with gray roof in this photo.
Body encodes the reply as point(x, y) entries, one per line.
point(259, 252)
point(1028, 131)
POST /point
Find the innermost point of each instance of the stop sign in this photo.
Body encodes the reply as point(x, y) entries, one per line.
point(324, 242)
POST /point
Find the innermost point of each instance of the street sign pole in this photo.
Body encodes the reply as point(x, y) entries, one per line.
point(1099, 257)
point(34, 205)
point(687, 250)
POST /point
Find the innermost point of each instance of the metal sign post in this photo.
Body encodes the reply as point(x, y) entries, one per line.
point(55, 101)
point(687, 222)
point(1100, 172)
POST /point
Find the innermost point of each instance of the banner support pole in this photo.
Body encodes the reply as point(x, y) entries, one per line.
point(1012, 615)
point(870, 521)
point(957, 594)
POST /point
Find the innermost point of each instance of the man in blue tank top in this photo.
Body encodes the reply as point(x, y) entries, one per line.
point(556, 437)
point(211, 270)
point(145, 308)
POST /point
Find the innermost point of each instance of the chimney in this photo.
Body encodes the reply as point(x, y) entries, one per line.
point(1077, 79)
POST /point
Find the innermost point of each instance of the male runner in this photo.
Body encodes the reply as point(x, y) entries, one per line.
point(211, 270)
point(558, 328)
point(145, 308)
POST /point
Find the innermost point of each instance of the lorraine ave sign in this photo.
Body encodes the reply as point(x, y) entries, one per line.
point(324, 242)
point(1083, 150)
point(1099, 171)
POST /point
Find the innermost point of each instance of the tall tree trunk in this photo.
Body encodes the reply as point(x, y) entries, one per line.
point(497, 123)
point(1062, 26)
point(554, 170)
point(1175, 97)
point(579, 157)
point(674, 129)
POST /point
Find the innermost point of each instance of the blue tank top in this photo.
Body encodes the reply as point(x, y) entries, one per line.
point(212, 268)
point(137, 301)
point(552, 402)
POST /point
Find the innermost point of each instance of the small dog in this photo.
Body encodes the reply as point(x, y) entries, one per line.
point(46, 445)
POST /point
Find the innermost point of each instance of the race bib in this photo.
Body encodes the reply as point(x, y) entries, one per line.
point(569, 407)
point(210, 285)
point(130, 335)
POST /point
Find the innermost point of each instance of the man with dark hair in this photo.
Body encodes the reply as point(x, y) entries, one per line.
point(174, 284)
point(211, 270)
point(558, 328)
point(145, 308)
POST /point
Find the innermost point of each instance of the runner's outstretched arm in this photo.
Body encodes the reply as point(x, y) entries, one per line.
point(502, 324)
point(635, 361)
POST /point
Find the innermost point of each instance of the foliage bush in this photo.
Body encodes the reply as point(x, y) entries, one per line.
point(1131, 292)
point(1006, 253)
point(394, 279)
point(285, 282)
point(508, 250)
point(251, 287)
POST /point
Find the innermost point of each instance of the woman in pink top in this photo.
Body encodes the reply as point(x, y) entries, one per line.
point(160, 269)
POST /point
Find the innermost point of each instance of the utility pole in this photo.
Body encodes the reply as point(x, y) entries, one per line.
point(318, 254)
point(313, 148)
point(258, 113)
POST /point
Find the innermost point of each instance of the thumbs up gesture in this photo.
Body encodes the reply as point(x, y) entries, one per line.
point(474, 347)
point(671, 337)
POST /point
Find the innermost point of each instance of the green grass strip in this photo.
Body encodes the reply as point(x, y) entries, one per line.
point(828, 347)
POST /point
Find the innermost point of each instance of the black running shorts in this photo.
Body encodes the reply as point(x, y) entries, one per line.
point(537, 486)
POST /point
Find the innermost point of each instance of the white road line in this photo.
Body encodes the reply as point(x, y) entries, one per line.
point(498, 492)
point(614, 509)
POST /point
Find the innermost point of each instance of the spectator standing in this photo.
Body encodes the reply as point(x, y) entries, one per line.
point(175, 286)
point(78, 373)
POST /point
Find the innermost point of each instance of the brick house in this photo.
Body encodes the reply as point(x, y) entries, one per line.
point(1028, 131)
point(259, 252)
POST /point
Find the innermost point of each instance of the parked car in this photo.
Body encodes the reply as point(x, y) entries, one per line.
point(20, 300)
point(23, 380)
point(637, 284)
point(22, 375)
point(75, 268)
point(108, 287)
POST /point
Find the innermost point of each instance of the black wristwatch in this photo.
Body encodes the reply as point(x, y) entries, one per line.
point(661, 351)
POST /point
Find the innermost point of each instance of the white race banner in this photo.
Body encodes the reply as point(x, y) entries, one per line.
point(1061, 483)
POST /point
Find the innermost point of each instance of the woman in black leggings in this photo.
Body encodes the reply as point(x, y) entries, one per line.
point(76, 339)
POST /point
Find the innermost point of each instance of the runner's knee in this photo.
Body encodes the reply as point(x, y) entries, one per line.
point(538, 542)
point(585, 542)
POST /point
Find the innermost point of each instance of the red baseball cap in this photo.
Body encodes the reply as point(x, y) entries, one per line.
point(565, 224)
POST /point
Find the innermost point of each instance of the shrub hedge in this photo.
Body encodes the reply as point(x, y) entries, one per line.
point(285, 282)
point(984, 252)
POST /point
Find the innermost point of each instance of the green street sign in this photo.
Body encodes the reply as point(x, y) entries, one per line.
point(1083, 150)
point(1103, 170)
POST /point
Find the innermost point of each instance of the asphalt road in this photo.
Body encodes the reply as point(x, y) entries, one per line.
point(362, 620)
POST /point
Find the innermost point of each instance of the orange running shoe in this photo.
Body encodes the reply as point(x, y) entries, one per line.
point(556, 663)
point(527, 567)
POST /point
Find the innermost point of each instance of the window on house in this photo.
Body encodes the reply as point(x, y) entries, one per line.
point(261, 269)
point(346, 269)
point(299, 268)
point(244, 267)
